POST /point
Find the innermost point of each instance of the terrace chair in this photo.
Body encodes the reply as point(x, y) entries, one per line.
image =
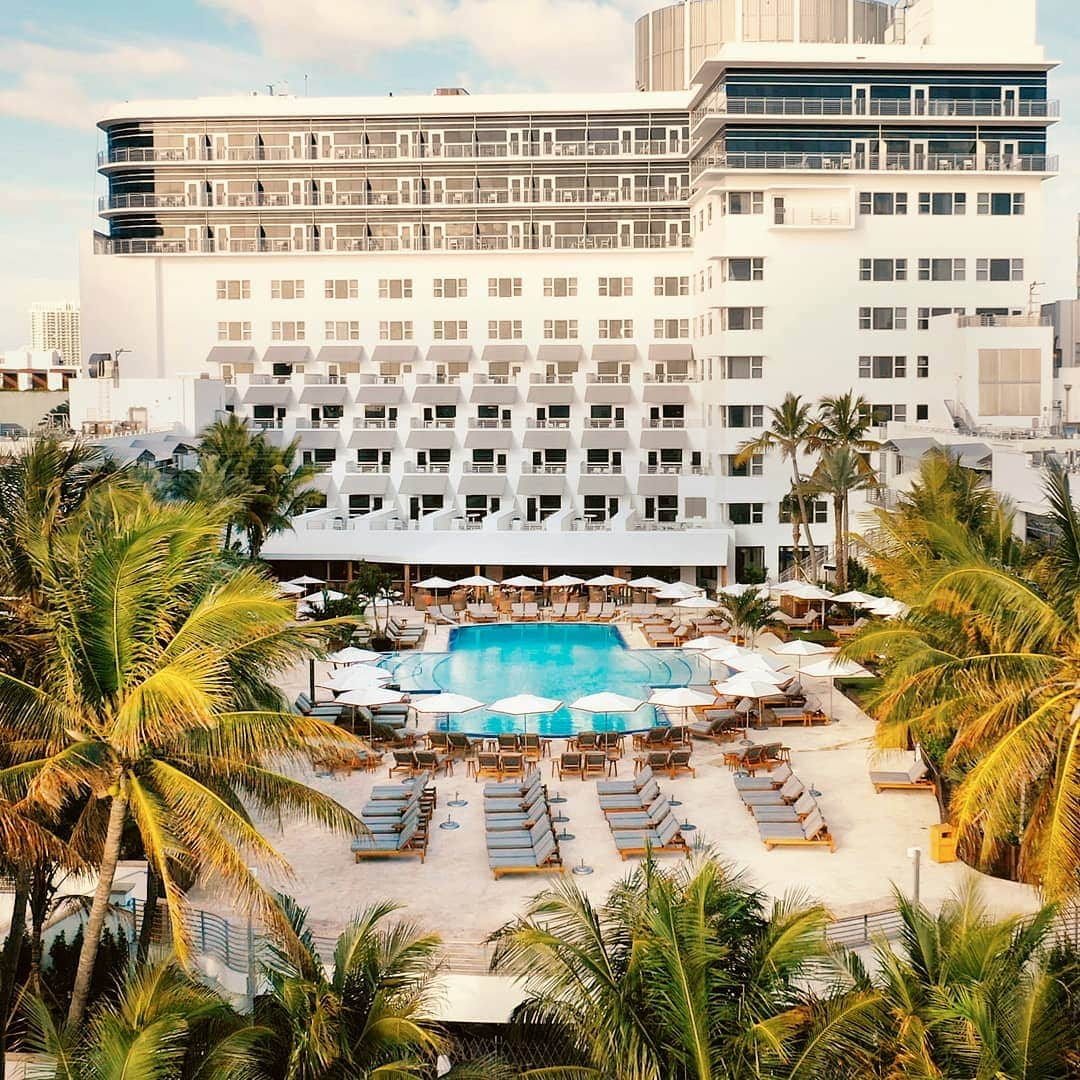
point(438, 740)
point(482, 613)
point(558, 612)
point(813, 832)
point(512, 765)
point(517, 612)
point(659, 638)
point(663, 839)
point(595, 764)
point(404, 761)
point(626, 787)
point(607, 612)
point(410, 842)
point(567, 764)
point(679, 762)
point(496, 823)
point(487, 765)
point(655, 736)
point(392, 824)
point(402, 792)
point(436, 615)
point(679, 735)
point(849, 630)
point(801, 808)
point(770, 781)
point(519, 838)
point(634, 803)
point(612, 743)
point(593, 611)
point(916, 778)
point(507, 740)
point(544, 858)
point(531, 612)
point(460, 746)
point(430, 760)
point(521, 805)
point(505, 788)
point(719, 725)
point(586, 740)
point(789, 792)
point(533, 747)
point(658, 760)
point(573, 611)
point(647, 819)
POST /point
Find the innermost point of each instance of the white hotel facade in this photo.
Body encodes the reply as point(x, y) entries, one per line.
point(528, 331)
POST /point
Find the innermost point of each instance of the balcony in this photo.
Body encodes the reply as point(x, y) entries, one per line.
point(539, 378)
point(380, 423)
point(663, 422)
point(860, 162)
point(604, 468)
point(621, 379)
point(558, 423)
point(489, 423)
point(968, 322)
point(812, 217)
point(670, 377)
point(369, 379)
point(141, 201)
point(433, 468)
point(323, 424)
point(266, 425)
point(553, 468)
point(604, 422)
point(427, 378)
point(367, 467)
point(484, 468)
point(262, 379)
point(441, 422)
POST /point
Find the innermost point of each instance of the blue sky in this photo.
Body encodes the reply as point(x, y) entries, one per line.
point(64, 60)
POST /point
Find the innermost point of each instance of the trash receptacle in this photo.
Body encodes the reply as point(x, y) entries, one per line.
point(943, 843)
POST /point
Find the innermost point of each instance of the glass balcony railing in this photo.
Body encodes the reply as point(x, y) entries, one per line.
point(862, 162)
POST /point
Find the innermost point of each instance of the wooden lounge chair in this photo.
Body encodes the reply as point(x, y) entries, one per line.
point(512, 765)
point(543, 858)
point(404, 762)
point(487, 766)
point(495, 822)
point(430, 761)
point(790, 791)
point(460, 746)
point(719, 725)
point(665, 838)
point(626, 787)
point(803, 806)
point(531, 612)
point(571, 763)
point(532, 746)
point(409, 843)
point(647, 819)
point(654, 737)
point(917, 778)
point(482, 613)
point(658, 760)
point(586, 740)
point(633, 803)
point(438, 740)
point(522, 805)
point(850, 630)
point(557, 612)
point(518, 838)
point(679, 762)
point(516, 787)
point(770, 781)
point(813, 832)
point(508, 742)
point(595, 764)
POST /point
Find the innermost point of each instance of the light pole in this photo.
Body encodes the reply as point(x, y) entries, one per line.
point(915, 855)
point(1065, 419)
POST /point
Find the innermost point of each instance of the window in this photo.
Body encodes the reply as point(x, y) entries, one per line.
point(342, 331)
point(883, 202)
point(560, 329)
point(744, 202)
point(450, 288)
point(999, 270)
point(287, 289)
point(504, 286)
point(746, 513)
point(886, 414)
point(396, 331)
point(743, 269)
point(504, 329)
point(942, 202)
point(234, 331)
point(615, 286)
point(882, 318)
point(741, 367)
point(926, 314)
point(671, 328)
point(1001, 204)
point(883, 269)
point(743, 318)
point(616, 328)
point(234, 289)
point(882, 367)
point(942, 269)
point(922, 412)
point(1010, 382)
point(450, 329)
point(671, 286)
point(287, 331)
point(922, 367)
point(817, 510)
point(560, 286)
point(395, 288)
point(742, 416)
point(341, 289)
point(755, 466)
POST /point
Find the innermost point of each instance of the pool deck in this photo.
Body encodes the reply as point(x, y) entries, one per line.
point(453, 892)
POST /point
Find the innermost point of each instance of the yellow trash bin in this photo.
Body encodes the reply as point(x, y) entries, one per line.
point(943, 843)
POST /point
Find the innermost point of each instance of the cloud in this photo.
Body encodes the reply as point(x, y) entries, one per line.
point(549, 44)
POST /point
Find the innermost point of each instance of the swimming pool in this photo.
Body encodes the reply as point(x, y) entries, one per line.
point(551, 660)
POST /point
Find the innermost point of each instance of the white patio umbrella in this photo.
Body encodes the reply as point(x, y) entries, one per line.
point(477, 581)
point(444, 704)
point(888, 608)
point(352, 655)
point(859, 599)
point(647, 583)
point(524, 706)
point(369, 697)
point(605, 703)
point(833, 669)
point(605, 581)
point(304, 579)
point(799, 649)
point(522, 581)
point(287, 588)
point(678, 590)
point(317, 599)
point(355, 677)
point(681, 697)
point(434, 584)
point(564, 581)
point(726, 652)
point(706, 644)
point(749, 684)
point(736, 589)
point(756, 663)
point(697, 603)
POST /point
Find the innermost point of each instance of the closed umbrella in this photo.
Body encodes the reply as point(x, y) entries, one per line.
point(680, 697)
point(833, 669)
point(352, 655)
point(605, 703)
point(524, 706)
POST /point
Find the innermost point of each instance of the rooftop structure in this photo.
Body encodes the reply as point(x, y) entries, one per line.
point(55, 327)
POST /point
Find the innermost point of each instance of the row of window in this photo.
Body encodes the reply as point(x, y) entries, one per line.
point(933, 269)
point(451, 329)
point(892, 367)
point(942, 203)
point(896, 318)
point(753, 513)
point(453, 288)
point(753, 416)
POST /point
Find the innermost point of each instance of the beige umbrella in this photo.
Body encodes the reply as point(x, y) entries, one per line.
point(680, 697)
point(833, 669)
point(753, 685)
point(524, 706)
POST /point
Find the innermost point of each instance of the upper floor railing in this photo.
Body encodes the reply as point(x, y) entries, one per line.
point(862, 162)
point(934, 108)
point(410, 150)
point(968, 322)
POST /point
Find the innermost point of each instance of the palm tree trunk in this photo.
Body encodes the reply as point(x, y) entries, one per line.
point(847, 534)
point(146, 927)
point(110, 856)
point(9, 961)
point(840, 553)
point(800, 496)
point(795, 537)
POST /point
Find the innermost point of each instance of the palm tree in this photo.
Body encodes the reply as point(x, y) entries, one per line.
point(282, 489)
point(156, 699)
point(749, 613)
point(840, 471)
point(987, 666)
point(791, 432)
point(966, 995)
point(367, 1018)
point(162, 1023)
point(682, 974)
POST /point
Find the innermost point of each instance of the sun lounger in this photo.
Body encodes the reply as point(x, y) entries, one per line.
point(517, 612)
point(592, 612)
point(460, 745)
point(573, 611)
point(404, 761)
point(796, 811)
point(663, 839)
point(482, 613)
point(507, 795)
point(648, 819)
point(716, 728)
point(629, 804)
point(487, 765)
point(772, 780)
point(431, 761)
point(519, 838)
point(916, 778)
point(401, 792)
point(497, 822)
point(848, 631)
point(533, 747)
point(507, 741)
point(437, 616)
point(532, 612)
point(385, 823)
point(626, 787)
point(410, 842)
point(789, 793)
point(542, 858)
point(811, 832)
point(654, 737)
point(558, 612)
point(585, 740)
point(511, 787)
point(679, 762)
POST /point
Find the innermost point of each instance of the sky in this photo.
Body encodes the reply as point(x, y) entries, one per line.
point(63, 61)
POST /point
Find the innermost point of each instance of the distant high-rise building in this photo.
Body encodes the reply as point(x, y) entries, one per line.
point(56, 326)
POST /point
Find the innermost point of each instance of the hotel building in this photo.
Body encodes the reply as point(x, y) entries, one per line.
point(533, 330)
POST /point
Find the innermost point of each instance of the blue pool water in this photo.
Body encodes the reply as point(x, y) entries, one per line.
point(551, 660)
